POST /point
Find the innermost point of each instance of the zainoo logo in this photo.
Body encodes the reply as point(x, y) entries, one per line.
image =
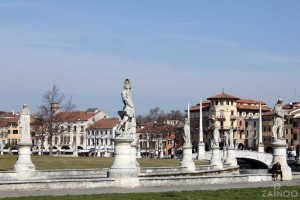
point(277, 192)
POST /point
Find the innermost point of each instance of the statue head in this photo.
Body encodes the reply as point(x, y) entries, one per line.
point(127, 84)
point(279, 101)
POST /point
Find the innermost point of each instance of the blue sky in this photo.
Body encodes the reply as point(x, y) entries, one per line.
point(174, 51)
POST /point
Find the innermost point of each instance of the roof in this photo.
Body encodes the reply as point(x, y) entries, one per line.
point(107, 123)
point(74, 116)
point(252, 107)
point(151, 128)
point(223, 95)
point(4, 114)
point(250, 101)
point(4, 122)
point(268, 113)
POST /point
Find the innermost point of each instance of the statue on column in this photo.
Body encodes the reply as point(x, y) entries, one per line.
point(127, 124)
point(187, 132)
point(278, 126)
point(231, 140)
point(216, 137)
point(24, 124)
point(226, 143)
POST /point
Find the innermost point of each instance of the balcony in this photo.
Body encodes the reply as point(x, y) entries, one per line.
point(233, 117)
point(221, 118)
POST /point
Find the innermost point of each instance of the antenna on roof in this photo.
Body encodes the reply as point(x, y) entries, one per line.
point(223, 90)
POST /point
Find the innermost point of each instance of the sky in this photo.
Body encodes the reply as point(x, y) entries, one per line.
point(174, 52)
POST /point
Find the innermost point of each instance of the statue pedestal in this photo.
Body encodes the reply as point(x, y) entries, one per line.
point(224, 154)
point(230, 159)
point(123, 169)
point(75, 153)
point(215, 158)
point(201, 151)
point(133, 156)
point(261, 148)
point(187, 160)
point(279, 155)
point(24, 163)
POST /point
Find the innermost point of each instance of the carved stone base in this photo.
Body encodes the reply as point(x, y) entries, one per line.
point(201, 151)
point(215, 158)
point(230, 159)
point(187, 160)
point(123, 166)
point(279, 155)
point(24, 163)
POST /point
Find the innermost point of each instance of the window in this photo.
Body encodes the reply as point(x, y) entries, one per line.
point(81, 140)
point(81, 128)
point(69, 128)
point(15, 131)
point(74, 128)
point(295, 136)
point(232, 112)
point(246, 125)
point(254, 123)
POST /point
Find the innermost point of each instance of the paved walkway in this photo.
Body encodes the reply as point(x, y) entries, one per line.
point(146, 189)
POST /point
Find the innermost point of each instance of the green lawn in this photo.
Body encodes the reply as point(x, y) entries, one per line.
point(228, 194)
point(60, 162)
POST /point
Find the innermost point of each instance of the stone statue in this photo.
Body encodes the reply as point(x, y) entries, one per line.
point(231, 140)
point(127, 124)
point(187, 132)
point(278, 126)
point(24, 124)
point(216, 137)
point(226, 143)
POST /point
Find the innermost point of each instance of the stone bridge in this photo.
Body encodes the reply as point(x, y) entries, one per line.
point(265, 158)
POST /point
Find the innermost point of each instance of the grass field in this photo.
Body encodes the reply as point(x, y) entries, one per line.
point(228, 194)
point(61, 162)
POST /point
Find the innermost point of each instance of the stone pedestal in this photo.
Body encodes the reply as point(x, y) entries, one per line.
point(201, 151)
point(230, 159)
point(123, 170)
point(261, 148)
point(224, 154)
point(24, 163)
point(133, 156)
point(187, 160)
point(216, 158)
point(279, 155)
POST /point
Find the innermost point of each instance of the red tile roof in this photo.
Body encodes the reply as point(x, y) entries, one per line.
point(74, 116)
point(223, 95)
point(250, 101)
point(105, 123)
point(252, 107)
point(7, 114)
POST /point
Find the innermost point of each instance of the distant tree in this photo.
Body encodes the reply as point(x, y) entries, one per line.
point(48, 121)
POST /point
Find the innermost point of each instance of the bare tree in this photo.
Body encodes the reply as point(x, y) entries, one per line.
point(49, 117)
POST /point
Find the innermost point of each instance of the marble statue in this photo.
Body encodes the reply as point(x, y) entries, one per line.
point(127, 123)
point(216, 137)
point(278, 126)
point(226, 143)
point(231, 140)
point(24, 124)
point(187, 132)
